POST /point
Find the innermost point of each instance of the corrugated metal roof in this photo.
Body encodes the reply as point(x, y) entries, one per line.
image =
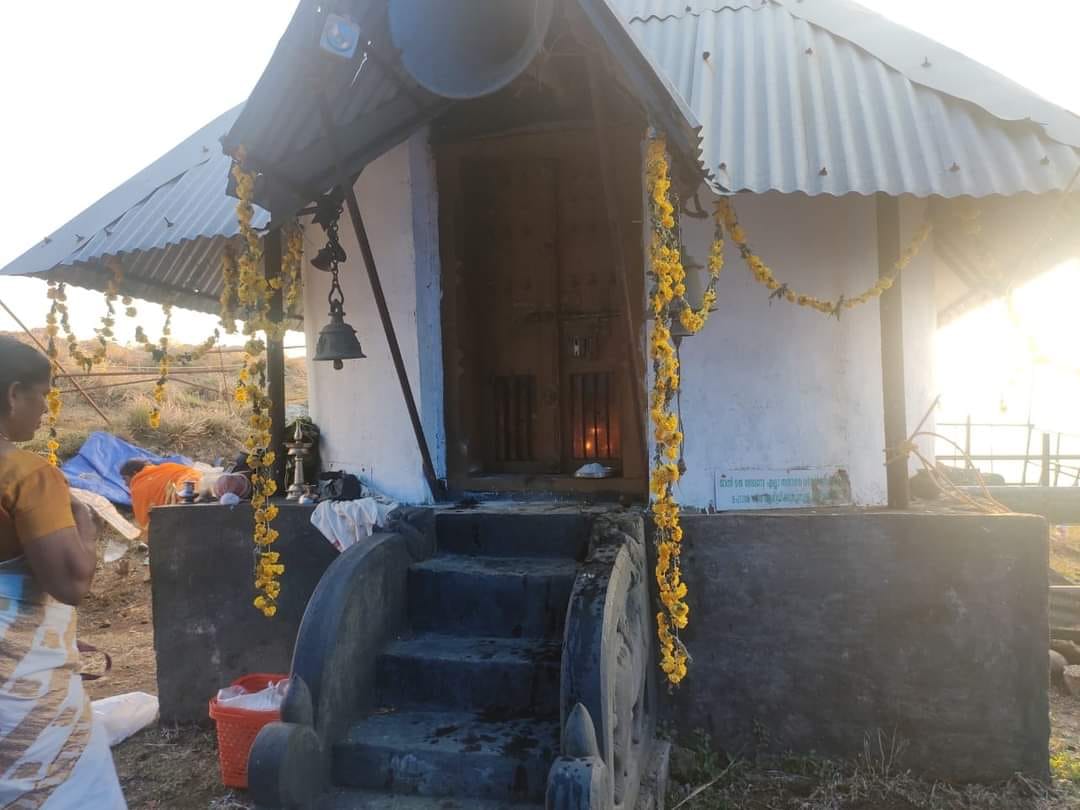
point(168, 226)
point(375, 105)
point(818, 97)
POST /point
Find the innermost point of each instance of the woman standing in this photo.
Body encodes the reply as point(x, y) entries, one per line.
point(52, 756)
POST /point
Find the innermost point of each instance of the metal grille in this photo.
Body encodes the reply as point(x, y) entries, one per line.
point(515, 415)
point(1065, 606)
point(593, 416)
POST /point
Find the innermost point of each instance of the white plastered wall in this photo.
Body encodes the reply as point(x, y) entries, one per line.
point(780, 386)
point(361, 410)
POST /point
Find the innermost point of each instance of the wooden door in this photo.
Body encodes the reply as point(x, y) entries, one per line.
point(511, 284)
point(538, 373)
point(593, 339)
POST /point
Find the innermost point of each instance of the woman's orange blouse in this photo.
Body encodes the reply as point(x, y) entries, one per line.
point(35, 499)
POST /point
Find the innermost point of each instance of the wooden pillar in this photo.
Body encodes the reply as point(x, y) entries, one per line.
point(275, 360)
point(892, 352)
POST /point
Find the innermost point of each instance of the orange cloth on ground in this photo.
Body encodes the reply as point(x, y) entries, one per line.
point(154, 484)
point(35, 500)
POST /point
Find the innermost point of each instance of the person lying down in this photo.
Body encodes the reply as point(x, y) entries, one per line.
point(155, 485)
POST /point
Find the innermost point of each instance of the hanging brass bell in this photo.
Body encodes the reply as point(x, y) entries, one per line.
point(337, 340)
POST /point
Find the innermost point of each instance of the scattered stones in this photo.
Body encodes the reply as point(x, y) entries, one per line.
point(1070, 650)
point(1057, 669)
point(1072, 679)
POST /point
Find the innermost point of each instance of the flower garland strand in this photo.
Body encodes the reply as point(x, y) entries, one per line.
point(669, 285)
point(253, 293)
point(229, 291)
point(725, 211)
point(163, 367)
point(52, 399)
point(293, 271)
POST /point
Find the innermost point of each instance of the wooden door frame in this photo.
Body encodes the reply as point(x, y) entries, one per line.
point(458, 392)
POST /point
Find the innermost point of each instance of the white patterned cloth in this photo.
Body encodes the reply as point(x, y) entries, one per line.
point(52, 754)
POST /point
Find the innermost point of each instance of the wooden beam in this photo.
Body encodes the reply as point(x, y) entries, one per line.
point(892, 352)
point(275, 359)
point(604, 148)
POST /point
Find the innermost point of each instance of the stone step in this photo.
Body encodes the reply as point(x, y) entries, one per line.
point(517, 597)
point(456, 754)
point(372, 800)
point(522, 533)
point(471, 673)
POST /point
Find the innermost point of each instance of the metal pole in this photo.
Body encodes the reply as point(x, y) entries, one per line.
point(892, 351)
point(1027, 451)
point(967, 441)
point(173, 372)
point(78, 387)
point(1057, 454)
point(346, 184)
point(1044, 477)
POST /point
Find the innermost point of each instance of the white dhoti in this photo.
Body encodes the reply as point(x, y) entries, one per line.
point(51, 754)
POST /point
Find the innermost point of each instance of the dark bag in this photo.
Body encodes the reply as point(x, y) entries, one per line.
point(339, 486)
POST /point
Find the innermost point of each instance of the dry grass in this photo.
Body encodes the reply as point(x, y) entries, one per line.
point(199, 418)
point(1065, 551)
point(876, 780)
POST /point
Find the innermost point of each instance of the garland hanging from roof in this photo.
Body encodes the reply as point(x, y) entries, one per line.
point(253, 293)
point(725, 210)
point(52, 399)
point(666, 298)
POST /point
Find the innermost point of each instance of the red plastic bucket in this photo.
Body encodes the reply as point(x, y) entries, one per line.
point(238, 728)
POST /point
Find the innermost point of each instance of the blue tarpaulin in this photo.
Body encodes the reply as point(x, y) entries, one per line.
point(97, 466)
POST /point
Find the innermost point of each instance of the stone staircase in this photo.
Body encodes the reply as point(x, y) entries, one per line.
point(468, 700)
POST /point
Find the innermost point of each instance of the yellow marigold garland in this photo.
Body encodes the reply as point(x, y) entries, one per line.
point(163, 367)
point(52, 399)
point(229, 291)
point(669, 288)
point(293, 270)
point(58, 296)
point(253, 293)
point(725, 211)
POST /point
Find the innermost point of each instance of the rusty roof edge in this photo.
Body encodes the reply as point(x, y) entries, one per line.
point(929, 63)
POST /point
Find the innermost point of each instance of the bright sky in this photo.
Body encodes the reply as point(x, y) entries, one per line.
point(120, 82)
point(115, 85)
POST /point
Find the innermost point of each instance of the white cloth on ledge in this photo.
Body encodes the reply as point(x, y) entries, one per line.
point(345, 523)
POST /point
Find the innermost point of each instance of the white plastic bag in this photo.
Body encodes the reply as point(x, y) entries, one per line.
point(266, 700)
point(123, 715)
